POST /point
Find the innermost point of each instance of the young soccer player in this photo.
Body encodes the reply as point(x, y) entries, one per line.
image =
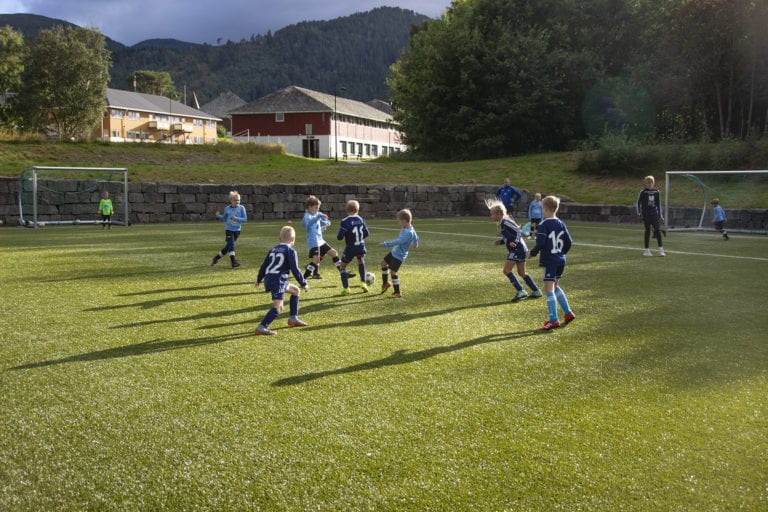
point(553, 241)
point(315, 223)
point(718, 218)
point(234, 215)
point(400, 247)
point(105, 210)
point(353, 231)
point(280, 262)
point(511, 237)
point(649, 208)
point(535, 214)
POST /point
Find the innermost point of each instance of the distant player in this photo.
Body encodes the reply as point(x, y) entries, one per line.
point(508, 195)
point(535, 214)
point(649, 208)
point(718, 218)
point(353, 231)
point(400, 247)
point(281, 261)
point(553, 241)
point(105, 210)
point(316, 222)
point(234, 215)
point(511, 237)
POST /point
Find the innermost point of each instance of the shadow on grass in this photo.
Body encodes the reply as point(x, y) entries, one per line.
point(138, 349)
point(403, 357)
point(149, 304)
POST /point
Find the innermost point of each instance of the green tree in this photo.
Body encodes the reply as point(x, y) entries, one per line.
point(12, 52)
point(158, 83)
point(65, 82)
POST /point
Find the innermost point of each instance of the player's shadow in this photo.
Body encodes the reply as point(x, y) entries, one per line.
point(149, 304)
point(402, 357)
point(138, 349)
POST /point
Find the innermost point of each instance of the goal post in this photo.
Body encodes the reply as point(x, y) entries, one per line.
point(71, 195)
point(687, 194)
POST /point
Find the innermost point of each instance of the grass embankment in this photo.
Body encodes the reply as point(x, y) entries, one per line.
point(547, 173)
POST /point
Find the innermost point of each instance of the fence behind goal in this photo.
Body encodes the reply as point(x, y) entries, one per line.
point(743, 195)
point(71, 195)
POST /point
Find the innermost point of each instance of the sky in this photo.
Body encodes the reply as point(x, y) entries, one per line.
point(202, 21)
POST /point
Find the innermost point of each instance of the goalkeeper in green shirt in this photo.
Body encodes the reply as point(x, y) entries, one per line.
point(105, 210)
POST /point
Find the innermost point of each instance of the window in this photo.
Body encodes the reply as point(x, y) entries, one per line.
point(133, 116)
point(117, 114)
point(343, 146)
point(280, 117)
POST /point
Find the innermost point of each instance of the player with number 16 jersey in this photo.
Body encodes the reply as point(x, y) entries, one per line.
point(553, 241)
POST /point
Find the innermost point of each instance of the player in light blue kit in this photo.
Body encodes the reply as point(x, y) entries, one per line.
point(511, 237)
point(718, 218)
point(400, 247)
point(234, 215)
point(280, 263)
point(316, 222)
point(353, 231)
point(553, 241)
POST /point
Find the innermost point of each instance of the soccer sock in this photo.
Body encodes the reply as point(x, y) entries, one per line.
point(552, 306)
point(396, 284)
point(336, 261)
point(344, 278)
point(270, 316)
point(361, 269)
point(513, 279)
point(293, 305)
point(309, 270)
point(530, 283)
point(385, 274)
point(232, 256)
point(562, 300)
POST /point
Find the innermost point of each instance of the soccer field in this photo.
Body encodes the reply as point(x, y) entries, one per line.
point(131, 378)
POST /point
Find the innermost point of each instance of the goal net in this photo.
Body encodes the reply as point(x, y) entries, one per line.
point(688, 196)
point(71, 195)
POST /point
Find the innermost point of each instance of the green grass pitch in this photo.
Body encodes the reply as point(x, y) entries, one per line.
point(131, 379)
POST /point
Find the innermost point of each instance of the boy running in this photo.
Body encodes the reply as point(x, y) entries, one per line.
point(400, 246)
point(315, 223)
point(353, 231)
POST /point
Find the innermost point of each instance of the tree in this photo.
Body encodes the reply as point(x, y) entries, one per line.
point(158, 83)
point(65, 82)
point(12, 51)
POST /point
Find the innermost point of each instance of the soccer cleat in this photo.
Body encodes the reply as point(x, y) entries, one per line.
point(235, 264)
point(569, 317)
point(726, 237)
point(364, 287)
point(647, 252)
point(261, 330)
point(549, 325)
point(661, 252)
point(397, 295)
point(351, 275)
point(296, 322)
point(521, 294)
point(536, 294)
point(316, 276)
point(385, 286)
point(214, 260)
point(344, 291)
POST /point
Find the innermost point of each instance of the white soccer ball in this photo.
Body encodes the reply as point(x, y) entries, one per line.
point(370, 278)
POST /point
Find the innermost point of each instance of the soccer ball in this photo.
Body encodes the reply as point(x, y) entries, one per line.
point(370, 278)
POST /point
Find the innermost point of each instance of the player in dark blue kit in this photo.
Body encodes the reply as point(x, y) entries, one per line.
point(353, 231)
point(553, 241)
point(508, 195)
point(649, 208)
point(281, 261)
point(512, 238)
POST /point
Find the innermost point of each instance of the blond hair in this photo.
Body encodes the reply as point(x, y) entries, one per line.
point(234, 194)
point(551, 204)
point(353, 206)
point(405, 214)
point(312, 201)
point(715, 201)
point(496, 206)
point(649, 179)
point(287, 234)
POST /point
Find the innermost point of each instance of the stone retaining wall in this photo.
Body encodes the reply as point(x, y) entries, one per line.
point(160, 202)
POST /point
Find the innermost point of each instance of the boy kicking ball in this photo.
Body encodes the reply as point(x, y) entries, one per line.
point(281, 261)
point(553, 242)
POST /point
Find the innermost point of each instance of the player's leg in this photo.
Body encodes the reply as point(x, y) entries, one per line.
point(361, 269)
point(293, 307)
point(535, 292)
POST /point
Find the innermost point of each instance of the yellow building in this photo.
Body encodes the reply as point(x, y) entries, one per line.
point(139, 117)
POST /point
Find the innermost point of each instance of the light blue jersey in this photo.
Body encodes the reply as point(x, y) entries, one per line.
point(402, 244)
point(238, 212)
point(315, 224)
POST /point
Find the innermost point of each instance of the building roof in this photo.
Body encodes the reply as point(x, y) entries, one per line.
point(293, 99)
point(223, 104)
point(139, 101)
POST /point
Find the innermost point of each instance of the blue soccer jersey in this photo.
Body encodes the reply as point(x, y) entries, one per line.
point(315, 225)
point(233, 216)
point(280, 262)
point(353, 231)
point(553, 241)
point(402, 244)
point(510, 232)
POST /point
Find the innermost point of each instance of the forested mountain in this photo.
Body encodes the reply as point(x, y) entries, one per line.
point(353, 52)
